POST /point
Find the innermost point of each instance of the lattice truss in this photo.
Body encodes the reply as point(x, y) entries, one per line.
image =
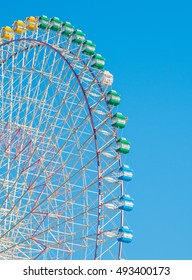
point(58, 159)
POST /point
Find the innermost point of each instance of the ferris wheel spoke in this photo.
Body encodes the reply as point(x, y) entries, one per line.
point(42, 200)
point(21, 172)
point(89, 237)
point(19, 109)
point(66, 141)
point(79, 194)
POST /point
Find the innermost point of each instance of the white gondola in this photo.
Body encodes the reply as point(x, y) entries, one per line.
point(106, 78)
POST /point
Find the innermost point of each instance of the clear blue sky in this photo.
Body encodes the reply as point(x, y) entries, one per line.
point(148, 48)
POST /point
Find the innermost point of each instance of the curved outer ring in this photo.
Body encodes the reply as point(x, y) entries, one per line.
point(120, 163)
point(93, 128)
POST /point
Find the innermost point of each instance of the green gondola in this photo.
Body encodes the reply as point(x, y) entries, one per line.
point(113, 98)
point(78, 37)
point(56, 24)
point(44, 22)
point(123, 146)
point(67, 29)
point(88, 47)
point(98, 61)
point(118, 120)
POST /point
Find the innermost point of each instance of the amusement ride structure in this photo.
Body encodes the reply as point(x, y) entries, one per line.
point(63, 184)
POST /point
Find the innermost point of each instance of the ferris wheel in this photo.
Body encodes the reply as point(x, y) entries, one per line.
point(63, 184)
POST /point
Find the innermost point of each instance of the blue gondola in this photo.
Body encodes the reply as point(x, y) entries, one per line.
point(126, 203)
point(125, 235)
point(125, 173)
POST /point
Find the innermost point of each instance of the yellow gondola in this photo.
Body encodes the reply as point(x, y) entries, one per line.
point(19, 27)
point(7, 33)
point(31, 23)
